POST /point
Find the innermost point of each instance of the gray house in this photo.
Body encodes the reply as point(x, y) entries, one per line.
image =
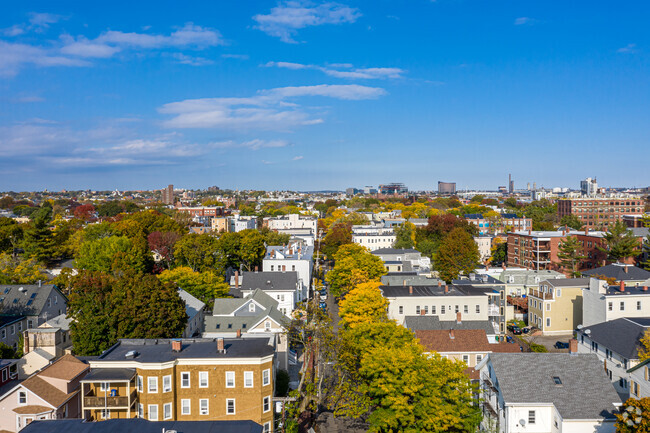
point(37, 302)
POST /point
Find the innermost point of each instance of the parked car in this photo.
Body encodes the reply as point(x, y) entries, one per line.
point(561, 345)
point(323, 305)
point(516, 330)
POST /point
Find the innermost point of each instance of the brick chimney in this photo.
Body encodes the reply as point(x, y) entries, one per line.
point(404, 283)
point(236, 279)
point(239, 333)
point(644, 288)
point(622, 286)
point(439, 283)
point(573, 346)
point(446, 289)
point(503, 266)
point(220, 345)
point(422, 312)
point(530, 232)
point(177, 345)
point(410, 290)
point(451, 334)
point(257, 268)
point(586, 230)
point(459, 316)
point(625, 269)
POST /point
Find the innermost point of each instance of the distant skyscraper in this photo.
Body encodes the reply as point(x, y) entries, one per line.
point(511, 184)
point(445, 188)
point(168, 195)
point(589, 187)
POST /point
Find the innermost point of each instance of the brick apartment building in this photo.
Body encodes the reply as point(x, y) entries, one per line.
point(212, 211)
point(599, 213)
point(537, 250)
point(493, 226)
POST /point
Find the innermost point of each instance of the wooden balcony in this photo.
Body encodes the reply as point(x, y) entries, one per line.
point(109, 402)
point(539, 294)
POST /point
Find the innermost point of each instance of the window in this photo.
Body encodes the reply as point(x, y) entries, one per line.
point(22, 397)
point(456, 309)
point(594, 346)
point(267, 326)
point(622, 306)
point(557, 380)
point(271, 268)
point(417, 310)
point(608, 354)
point(167, 411)
point(30, 324)
point(203, 379)
point(49, 302)
point(266, 404)
point(635, 389)
point(558, 292)
point(185, 406)
point(153, 412)
point(466, 309)
point(442, 309)
point(433, 309)
point(293, 267)
point(20, 326)
point(267, 427)
point(478, 309)
point(479, 358)
point(152, 385)
point(251, 307)
point(106, 414)
point(4, 375)
point(13, 329)
point(140, 410)
point(548, 321)
point(548, 306)
point(466, 359)
point(248, 379)
point(139, 383)
point(622, 383)
point(531, 417)
point(230, 406)
point(4, 334)
point(203, 406)
point(185, 379)
point(401, 309)
point(167, 383)
point(638, 305)
point(266, 377)
point(426, 309)
point(230, 379)
point(610, 305)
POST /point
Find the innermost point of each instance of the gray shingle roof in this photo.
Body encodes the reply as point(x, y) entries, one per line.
point(222, 319)
point(427, 323)
point(621, 335)
point(394, 251)
point(285, 281)
point(617, 272)
point(192, 305)
point(568, 282)
point(527, 277)
point(29, 301)
point(586, 392)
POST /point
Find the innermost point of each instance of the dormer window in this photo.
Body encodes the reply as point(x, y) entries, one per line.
point(251, 308)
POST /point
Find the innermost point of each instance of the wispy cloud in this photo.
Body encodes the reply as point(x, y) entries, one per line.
point(255, 144)
point(288, 17)
point(267, 110)
point(523, 21)
point(16, 55)
point(235, 56)
point(628, 49)
point(28, 99)
point(42, 21)
point(191, 60)
point(297, 158)
point(343, 70)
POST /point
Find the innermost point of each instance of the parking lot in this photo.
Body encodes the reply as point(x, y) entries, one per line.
point(548, 341)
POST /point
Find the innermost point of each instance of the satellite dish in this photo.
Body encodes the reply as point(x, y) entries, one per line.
point(580, 327)
point(588, 331)
point(522, 422)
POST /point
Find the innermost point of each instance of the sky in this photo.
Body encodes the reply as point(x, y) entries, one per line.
point(312, 95)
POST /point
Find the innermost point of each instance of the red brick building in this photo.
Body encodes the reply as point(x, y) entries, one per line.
point(599, 213)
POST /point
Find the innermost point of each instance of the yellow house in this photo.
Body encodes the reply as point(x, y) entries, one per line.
point(556, 308)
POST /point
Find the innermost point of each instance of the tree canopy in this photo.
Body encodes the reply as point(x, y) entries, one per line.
point(620, 243)
point(364, 303)
point(354, 265)
point(205, 286)
point(458, 253)
point(570, 255)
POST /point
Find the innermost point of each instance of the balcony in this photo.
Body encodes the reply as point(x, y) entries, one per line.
point(493, 310)
point(109, 402)
point(539, 294)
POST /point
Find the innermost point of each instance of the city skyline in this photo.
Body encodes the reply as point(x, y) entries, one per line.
point(319, 95)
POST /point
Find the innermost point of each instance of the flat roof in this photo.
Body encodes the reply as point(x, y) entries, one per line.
point(109, 375)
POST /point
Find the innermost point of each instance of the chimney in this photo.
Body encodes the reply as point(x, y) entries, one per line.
point(644, 288)
point(459, 316)
point(573, 346)
point(503, 266)
point(40, 283)
point(256, 268)
point(404, 283)
point(451, 334)
point(220, 346)
point(422, 312)
point(236, 279)
point(410, 290)
point(625, 269)
point(239, 333)
point(622, 286)
point(446, 289)
point(439, 283)
point(530, 232)
point(586, 230)
point(177, 345)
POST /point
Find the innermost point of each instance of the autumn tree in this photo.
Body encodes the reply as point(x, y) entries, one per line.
point(634, 416)
point(620, 242)
point(17, 270)
point(364, 303)
point(570, 255)
point(163, 244)
point(338, 234)
point(85, 212)
point(644, 347)
point(354, 265)
point(404, 236)
point(458, 253)
point(271, 237)
point(205, 286)
point(499, 251)
point(11, 233)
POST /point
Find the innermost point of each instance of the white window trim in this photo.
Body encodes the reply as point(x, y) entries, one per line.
point(140, 383)
point(234, 407)
point(166, 405)
point(233, 379)
point(19, 393)
point(207, 382)
point(266, 377)
point(149, 412)
point(140, 410)
point(207, 406)
point(105, 413)
point(149, 382)
point(249, 374)
point(186, 374)
point(189, 406)
point(167, 389)
point(268, 397)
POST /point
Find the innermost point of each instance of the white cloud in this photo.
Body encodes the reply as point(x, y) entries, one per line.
point(235, 56)
point(255, 144)
point(297, 158)
point(522, 21)
point(82, 47)
point(190, 60)
point(628, 49)
point(16, 55)
point(14, 30)
point(267, 110)
point(334, 70)
point(28, 99)
point(288, 17)
point(41, 21)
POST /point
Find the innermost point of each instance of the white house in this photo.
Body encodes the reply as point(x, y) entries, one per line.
point(294, 257)
point(602, 303)
point(291, 221)
point(546, 392)
point(639, 379)
point(374, 236)
point(408, 260)
point(195, 311)
point(284, 287)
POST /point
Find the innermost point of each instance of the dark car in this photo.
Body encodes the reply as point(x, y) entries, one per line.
point(561, 345)
point(323, 305)
point(516, 330)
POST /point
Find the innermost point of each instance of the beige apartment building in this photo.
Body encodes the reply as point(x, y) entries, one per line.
point(199, 379)
point(556, 308)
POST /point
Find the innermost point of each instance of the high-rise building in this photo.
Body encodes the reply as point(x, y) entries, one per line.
point(446, 188)
point(393, 189)
point(511, 184)
point(168, 195)
point(589, 187)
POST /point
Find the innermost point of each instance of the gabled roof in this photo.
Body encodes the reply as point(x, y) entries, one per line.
point(272, 281)
point(568, 282)
point(527, 277)
point(29, 301)
point(586, 392)
point(222, 319)
point(66, 368)
point(461, 340)
point(192, 305)
point(618, 272)
point(621, 335)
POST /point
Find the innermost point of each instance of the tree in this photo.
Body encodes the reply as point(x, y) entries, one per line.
point(85, 212)
point(271, 237)
point(404, 236)
point(634, 416)
point(20, 270)
point(570, 255)
point(354, 265)
point(458, 253)
point(644, 348)
point(619, 242)
point(364, 303)
point(338, 234)
point(251, 249)
point(163, 244)
point(7, 352)
point(38, 242)
point(104, 308)
point(11, 233)
point(205, 286)
point(571, 221)
point(199, 252)
point(112, 253)
point(499, 251)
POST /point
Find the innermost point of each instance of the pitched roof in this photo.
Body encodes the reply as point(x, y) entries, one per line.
point(618, 272)
point(46, 391)
point(272, 281)
point(586, 392)
point(32, 409)
point(621, 335)
point(222, 319)
point(192, 305)
point(424, 323)
point(139, 425)
point(464, 340)
point(395, 251)
point(527, 277)
point(30, 300)
point(568, 282)
point(67, 368)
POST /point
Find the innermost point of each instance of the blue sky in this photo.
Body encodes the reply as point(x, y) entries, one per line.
point(323, 95)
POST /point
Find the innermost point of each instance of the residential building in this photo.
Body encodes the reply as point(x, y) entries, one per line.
point(195, 311)
point(291, 221)
point(635, 221)
point(295, 257)
point(403, 260)
point(140, 425)
point(546, 392)
point(589, 187)
point(254, 316)
point(629, 274)
point(520, 281)
point(282, 286)
point(556, 308)
point(484, 244)
point(41, 345)
point(498, 309)
point(597, 213)
point(446, 188)
point(52, 393)
point(182, 380)
point(202, 211)
point(616, 343)
point(38, 302)
point(393, 189)
point(7, 371)
point(220, 224)
point(498, 224)
point(409, 279)
point(603, 303)
point(167, 195)
point(11, 328)
point(374, 237)
point(639, 380)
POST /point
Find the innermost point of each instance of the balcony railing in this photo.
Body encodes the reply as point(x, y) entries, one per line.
point(540, 294)
point(109, 402)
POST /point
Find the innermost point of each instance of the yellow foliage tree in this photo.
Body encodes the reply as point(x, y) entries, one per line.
point(644, 350)
point(364, 303)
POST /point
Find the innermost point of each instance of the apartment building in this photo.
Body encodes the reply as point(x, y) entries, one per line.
point(556, 308)
point(603, 303)
point(499, 224)
point(41, 345)
point(233, 224)
point(374, 237)
point(600, 212)
point(294, 257)
point(403, 260)
point(202, 211)
point(520, 281)
point(546, 392)
point(195, 310)
point(284, 287)
point(639, 380)
point(291, 221)
point(182, 380)
point(616, 343)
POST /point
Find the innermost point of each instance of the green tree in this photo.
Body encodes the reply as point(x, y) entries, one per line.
point(499, 251)
point(11, 233)
point(619, 242)
point(38, 241)
point(205, 286)
point(353, 265)
point(112, 253)
point(251, 249)
point(364, 303)
point(271, 237)
point(338, 234)
point(20, 270)
point(570, 255)
point(634, 416)
point(7, 352)
point(571, 221)
point(199, 252)
point(458, 253)
point(404, 236)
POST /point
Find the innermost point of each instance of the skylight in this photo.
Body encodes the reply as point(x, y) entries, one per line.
point(557, 380)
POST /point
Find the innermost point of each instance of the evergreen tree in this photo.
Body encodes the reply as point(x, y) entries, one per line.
point(620, 243)
point(38, 241)
point(570, 255)
point(404, 236)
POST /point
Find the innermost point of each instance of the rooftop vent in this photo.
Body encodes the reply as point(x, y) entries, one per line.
point(131, 354)
point(22, 289)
